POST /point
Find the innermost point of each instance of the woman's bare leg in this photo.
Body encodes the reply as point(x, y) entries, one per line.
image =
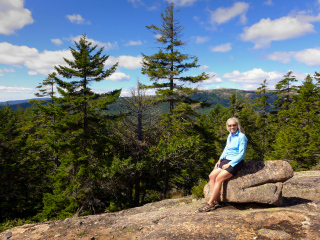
point(213, 175)
point(219, 179)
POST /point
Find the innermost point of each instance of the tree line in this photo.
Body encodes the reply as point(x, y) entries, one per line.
point(72, 156)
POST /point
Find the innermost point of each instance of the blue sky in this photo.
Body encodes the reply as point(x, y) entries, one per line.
point(241, 43)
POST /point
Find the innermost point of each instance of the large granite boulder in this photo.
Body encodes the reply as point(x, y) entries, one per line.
point(257, 181)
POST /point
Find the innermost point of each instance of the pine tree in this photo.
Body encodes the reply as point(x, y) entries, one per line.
point(81, 130)
point(262, 103)
point(169, 63)
point(235, 104)
point(298, 140)
point(262, 100)
point(285, 91)
point(46, 88)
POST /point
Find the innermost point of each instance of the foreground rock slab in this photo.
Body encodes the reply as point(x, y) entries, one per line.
point(298, 218)
point(257, 181)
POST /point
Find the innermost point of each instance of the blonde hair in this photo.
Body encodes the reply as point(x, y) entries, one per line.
point(237, 122)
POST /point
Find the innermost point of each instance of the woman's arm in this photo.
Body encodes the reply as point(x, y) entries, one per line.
point(241, 151)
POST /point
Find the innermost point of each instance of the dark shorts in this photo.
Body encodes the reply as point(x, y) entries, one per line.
point(232, 170)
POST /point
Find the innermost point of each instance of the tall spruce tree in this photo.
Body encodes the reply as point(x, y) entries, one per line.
point(81, 130)
point(166, 69)
point(235, 104)
point(262, 99)
point(285, 91)
point(168, 63)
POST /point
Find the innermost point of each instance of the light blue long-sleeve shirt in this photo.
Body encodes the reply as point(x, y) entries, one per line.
point(235, 148)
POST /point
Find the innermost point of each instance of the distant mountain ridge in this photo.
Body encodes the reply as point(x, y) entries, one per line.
point(20, 103)
point(214, 96)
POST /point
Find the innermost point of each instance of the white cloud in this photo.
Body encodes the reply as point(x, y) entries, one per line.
point(33, 73)
point(118, 76)
point(31, 58)
point(13, 16)
point(183, 3)
point(16, 55)
point(212, 79)
point(44, 62)
point(268, 2)
point(56, 41)
point(250, 86)
point(136, 2)
point(283, 57)
point(204, 67)
point(107, 46)
point(266, 31)
point(252, 79)
point(15, 89)
point(154, 7)
point(133, 43)
point(158, 35)
point(125, 61)
point(310, 56)
point(202, 39)
point(223, 15)
point(77, 19)
point(10, 70)
point(221, 48)
point(127, 92)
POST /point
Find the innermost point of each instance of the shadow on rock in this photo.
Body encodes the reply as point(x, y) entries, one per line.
point(293, 201)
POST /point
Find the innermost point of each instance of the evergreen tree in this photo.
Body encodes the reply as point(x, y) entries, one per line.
point(9, 187)
point(262, 103)
point(24, 169)
point(298, 140)
point(46, 88)
point(285, 91)
point(262, 99)
point(169, 63)
point(217, 118)
point(81, 130)
point(183, 150)
point(235, 104)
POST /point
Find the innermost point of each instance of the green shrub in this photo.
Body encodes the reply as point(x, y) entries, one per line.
point(113, 207)
point(13, 223)
point(197, 190)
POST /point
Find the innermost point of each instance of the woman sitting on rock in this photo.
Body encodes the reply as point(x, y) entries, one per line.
point(230, 162)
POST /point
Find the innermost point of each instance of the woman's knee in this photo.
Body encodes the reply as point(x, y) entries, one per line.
point(213, 175)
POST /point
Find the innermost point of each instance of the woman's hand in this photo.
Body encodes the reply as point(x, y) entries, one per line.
point(224, 167)
point(217, 164)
